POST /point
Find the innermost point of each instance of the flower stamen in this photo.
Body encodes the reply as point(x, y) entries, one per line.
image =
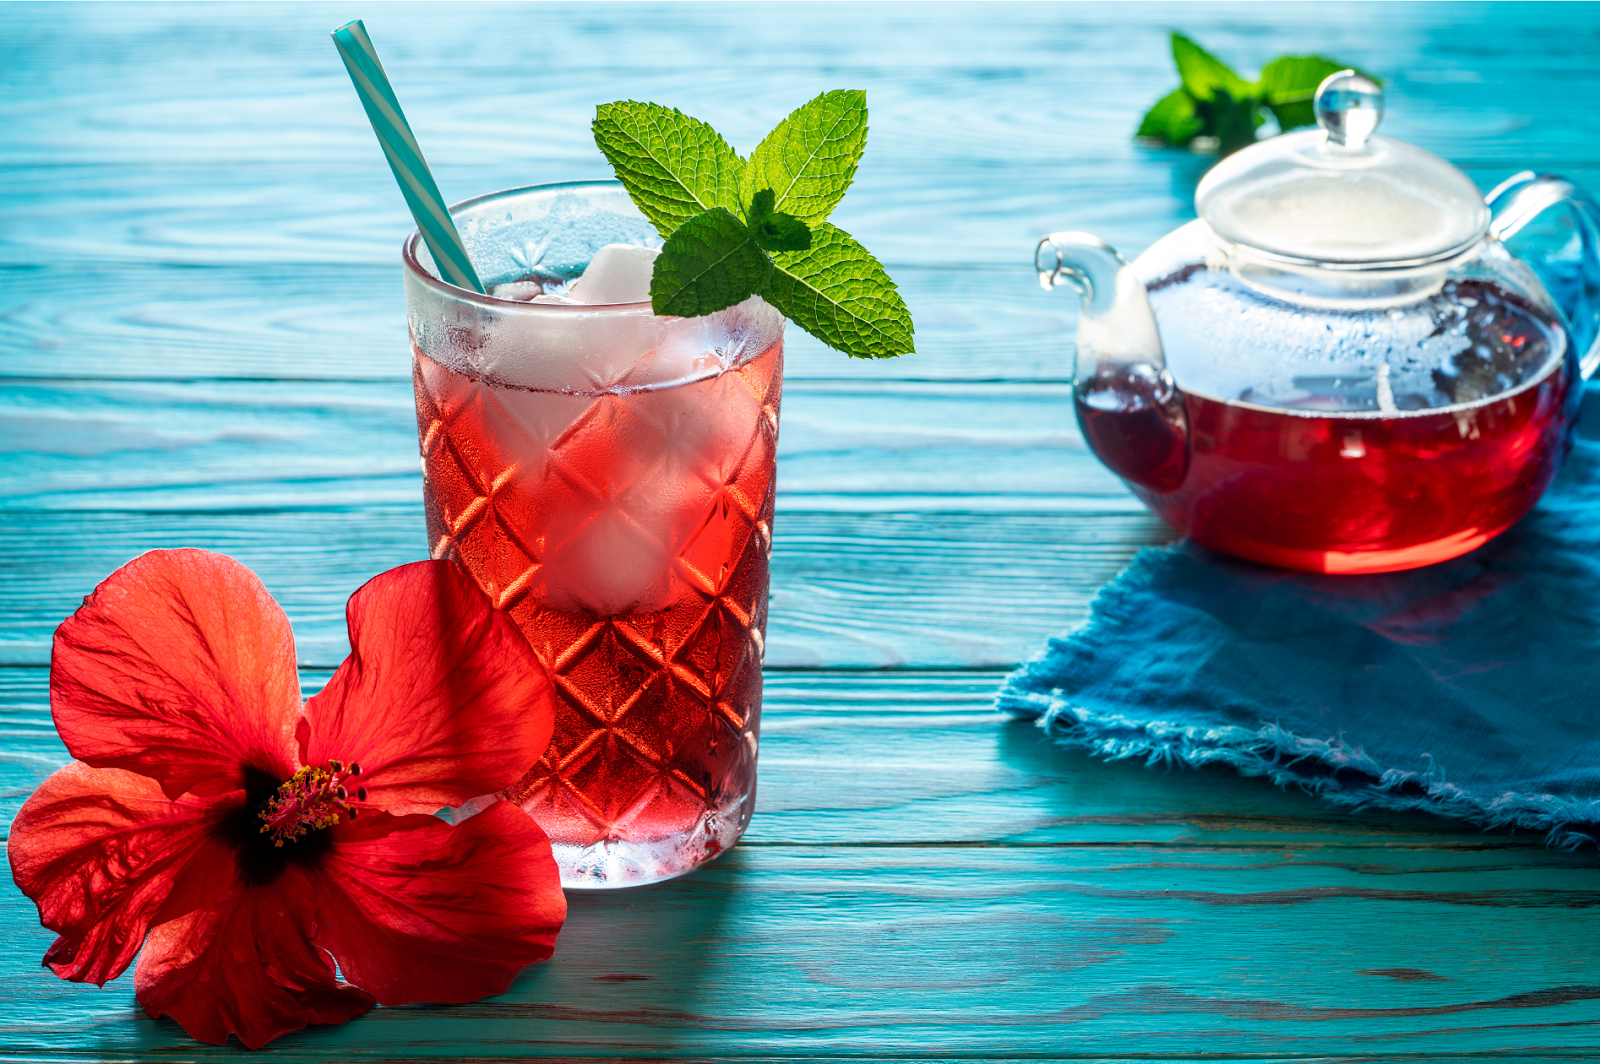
point(311, 799)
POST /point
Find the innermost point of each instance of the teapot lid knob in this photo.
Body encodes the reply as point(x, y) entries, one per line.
point(1341, 196)
point(1349, 106)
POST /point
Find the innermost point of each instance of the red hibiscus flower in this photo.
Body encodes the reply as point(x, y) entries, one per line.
point(247, 842)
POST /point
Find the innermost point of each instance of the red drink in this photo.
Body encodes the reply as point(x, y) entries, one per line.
point(1354, 467)
point(606, 475)
point(1133, 419)
point(627, 531)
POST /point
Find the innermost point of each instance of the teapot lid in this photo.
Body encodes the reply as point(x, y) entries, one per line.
point(1340, 197)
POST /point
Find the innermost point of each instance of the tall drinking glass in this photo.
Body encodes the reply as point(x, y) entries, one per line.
point(607, 477)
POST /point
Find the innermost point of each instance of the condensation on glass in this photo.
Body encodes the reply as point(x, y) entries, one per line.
point(607, 477)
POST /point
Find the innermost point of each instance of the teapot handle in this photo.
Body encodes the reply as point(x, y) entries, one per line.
point(1520, 199)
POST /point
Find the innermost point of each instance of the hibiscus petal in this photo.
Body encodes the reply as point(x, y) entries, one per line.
point(417, 910)
point(100, 851)
point(180, 667)
point(247, 967)
point(441, 698)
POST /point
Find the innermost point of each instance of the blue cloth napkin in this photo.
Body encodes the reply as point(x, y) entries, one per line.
point(1470, 689)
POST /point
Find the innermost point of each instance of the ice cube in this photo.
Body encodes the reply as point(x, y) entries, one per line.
point(518, 291)
point(630, 484)
point(619, 273)
point(612, 565)
point(691, 348)
point(683, 352)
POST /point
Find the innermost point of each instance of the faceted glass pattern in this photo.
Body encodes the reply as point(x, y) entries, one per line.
point(628, 533)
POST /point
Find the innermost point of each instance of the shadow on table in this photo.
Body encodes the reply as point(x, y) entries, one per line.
point(630, 970)
point(1083, 788)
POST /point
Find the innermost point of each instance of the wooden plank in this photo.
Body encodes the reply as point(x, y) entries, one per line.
point(951, 590)
point(190, 193)
point(296, 224)
point(347, 323)
point(1033, 102)
point(210, 445)
point(923, 878)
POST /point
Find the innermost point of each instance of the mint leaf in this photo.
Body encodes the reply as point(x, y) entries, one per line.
point(1213, 101)
point(810, 159)
point(774, 230)
point(708, 263)
point(1203, 74)
point(1290, 81)
point(1233, 122)
point(838, 292)
point(673, 166)
point(1172, 119)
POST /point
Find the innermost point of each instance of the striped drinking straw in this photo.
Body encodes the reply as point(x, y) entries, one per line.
point(405, 158)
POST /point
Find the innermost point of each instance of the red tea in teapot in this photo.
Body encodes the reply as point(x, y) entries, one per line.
point(1133, 419)
point(1341, 452)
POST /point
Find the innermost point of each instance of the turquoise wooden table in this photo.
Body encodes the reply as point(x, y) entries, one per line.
point(202, 343)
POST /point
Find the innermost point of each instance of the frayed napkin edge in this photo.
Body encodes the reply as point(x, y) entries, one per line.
point(1344, 776)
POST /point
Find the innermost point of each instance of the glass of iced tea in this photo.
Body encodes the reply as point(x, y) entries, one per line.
point(607, 476)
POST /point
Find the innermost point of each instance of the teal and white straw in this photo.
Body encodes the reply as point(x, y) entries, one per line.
point(405, 158)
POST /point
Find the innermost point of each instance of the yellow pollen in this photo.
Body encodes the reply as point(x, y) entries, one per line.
point(311, 799)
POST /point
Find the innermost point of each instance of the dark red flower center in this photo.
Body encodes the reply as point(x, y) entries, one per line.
point(311, 799)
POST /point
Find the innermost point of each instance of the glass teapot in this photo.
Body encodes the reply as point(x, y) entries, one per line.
point(1339, 366)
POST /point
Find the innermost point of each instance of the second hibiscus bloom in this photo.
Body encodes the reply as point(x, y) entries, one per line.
point(255, 841)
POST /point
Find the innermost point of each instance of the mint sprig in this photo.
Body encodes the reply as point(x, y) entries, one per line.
point(735, 229)
point(1214, 102)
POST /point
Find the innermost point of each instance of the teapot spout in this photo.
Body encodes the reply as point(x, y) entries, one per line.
point(1129, 408)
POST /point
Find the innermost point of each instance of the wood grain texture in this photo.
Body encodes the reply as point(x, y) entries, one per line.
point(212, 181)
point(860, 590)
point(209, 445)
point(335, 322)
point(202, 335)
point(924, 881)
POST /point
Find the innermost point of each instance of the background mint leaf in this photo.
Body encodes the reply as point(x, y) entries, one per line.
point(673, 166)
point(1288, 84)
point(1172, 119)
point(1204, 75)
point(837, 292)
point(1233, 122)
point(1213, 101)
point(810, 159)
point(708, 263)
